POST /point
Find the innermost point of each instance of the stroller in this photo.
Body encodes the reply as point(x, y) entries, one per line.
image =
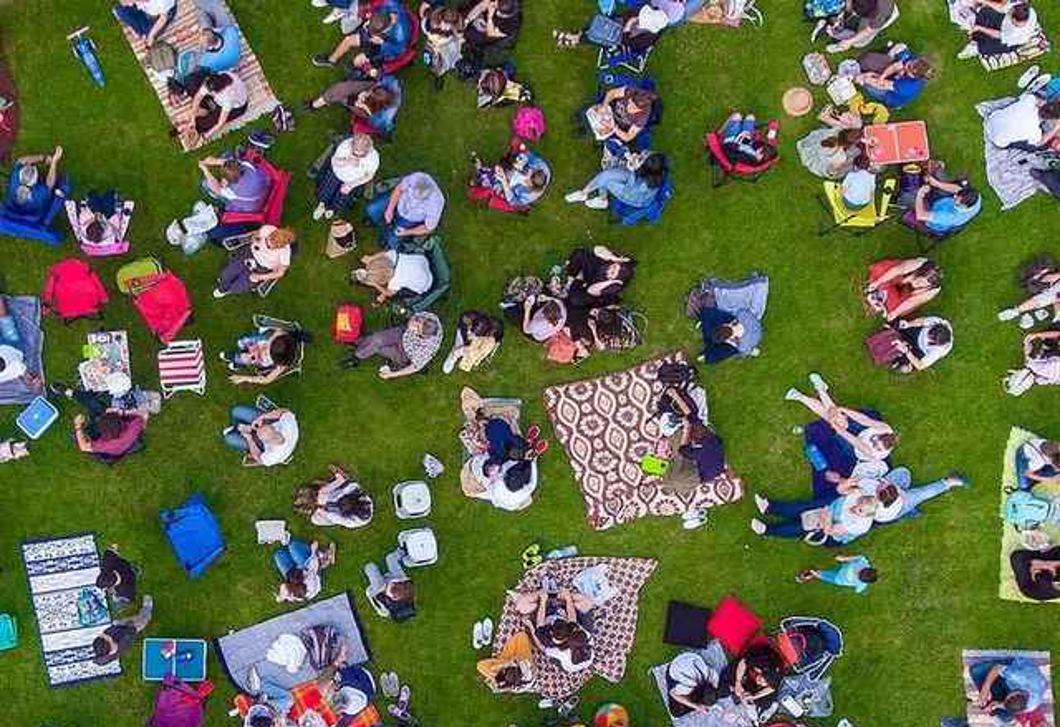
point(809, 644)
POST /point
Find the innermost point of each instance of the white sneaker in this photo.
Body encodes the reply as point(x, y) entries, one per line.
point(818, 382)
point(477, 636)
point(969, 51)
point(328, 214)
point(1029, 75)
point(1026, 321)
point(449, 365)
point(761, 503)
point(576, 196)
point(334, 16)
point(487, 631)
point(218, 294)
point(821, 25)
point(319, 3)
point(1008, 314)
point(597, 203)
point(792, 394)
point(318, 212)
point(1042, 314)
point(758, 527)
point(175, 233)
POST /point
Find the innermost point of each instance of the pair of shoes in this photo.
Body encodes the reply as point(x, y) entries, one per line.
point(758, 527)
point(532, 556)
point(389, 684)
point(1026, 321)
point(761, 503)
point(969, 51)
point(60, 390)
point(694, 519)
point(804, 576)
point(597, 203)
point(1008, 314)
point(253, 681)
point(792, 394)
point(576, 196)
point(818, 382)
point(482, 633)
point(319, 3)
point(321, 60)
point(318, 211)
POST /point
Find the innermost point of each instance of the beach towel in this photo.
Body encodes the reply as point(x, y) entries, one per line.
point(59, 570)
point(1012, 539)
point(1009, 170)
point(607, 426)
point(26, 310)
point(615, 621)
point(249, 647)
point(183, 35)
point(1041, 717)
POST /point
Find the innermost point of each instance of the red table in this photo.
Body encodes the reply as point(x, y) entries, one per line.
point(898, 143)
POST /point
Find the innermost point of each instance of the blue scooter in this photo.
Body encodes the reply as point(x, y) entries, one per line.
point(84, 49)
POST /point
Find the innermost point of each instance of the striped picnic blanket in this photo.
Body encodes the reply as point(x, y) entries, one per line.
point(183, 34)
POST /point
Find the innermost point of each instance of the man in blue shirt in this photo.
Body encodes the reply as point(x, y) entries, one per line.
point(899, 82)
point(383, 38)
point(943, 208)
point(27, 195)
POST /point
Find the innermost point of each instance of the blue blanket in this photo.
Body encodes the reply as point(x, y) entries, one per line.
point(26, 310)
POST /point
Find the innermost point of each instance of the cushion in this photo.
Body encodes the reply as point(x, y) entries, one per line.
point(686, 625)
point(733, 624)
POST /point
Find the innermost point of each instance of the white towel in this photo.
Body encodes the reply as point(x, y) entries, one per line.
point(287, 651)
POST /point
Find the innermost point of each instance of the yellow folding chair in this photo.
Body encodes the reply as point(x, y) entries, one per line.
point(861, 220)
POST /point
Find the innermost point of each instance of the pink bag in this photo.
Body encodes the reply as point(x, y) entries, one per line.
point(529, 123)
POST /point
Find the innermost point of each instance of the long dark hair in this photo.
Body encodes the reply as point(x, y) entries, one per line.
point(653, 170)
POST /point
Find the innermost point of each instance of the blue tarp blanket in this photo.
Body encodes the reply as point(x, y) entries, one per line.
point(26, 310)
point(194, 534)
point(249, 647)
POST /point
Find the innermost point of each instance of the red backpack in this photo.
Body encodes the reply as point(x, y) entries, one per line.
point(349, 319)
point(73, 290)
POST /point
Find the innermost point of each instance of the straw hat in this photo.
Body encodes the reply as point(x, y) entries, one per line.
point(797, 101)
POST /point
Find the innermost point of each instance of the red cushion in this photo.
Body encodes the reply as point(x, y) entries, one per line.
point(733, 624)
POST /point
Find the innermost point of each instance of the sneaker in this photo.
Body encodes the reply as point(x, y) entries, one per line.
point(1029, 75)
point(697, 520)
point(227, 430)
point(820, 26)
point(318, 211)
point(761, 503)
point(175, 233)
point(404, 697)
point(546, 703)
point(956, 479)
point(1042, 314)
point(329, 213)
point(319, 3)
point(597, 203)
point(1026, 321)
point(792, 394)
point(1008, 314)
point(218, 293)
point(758, 527)
point(969, 51)
point(334, 16)
point(487, 631)
point(533, 432)
point(320, 60)
point(576, 196)
point(804, 576)
point(60, 390)
point(390, 684)
point(818, 382)
point(477, 636)
point(449, 365)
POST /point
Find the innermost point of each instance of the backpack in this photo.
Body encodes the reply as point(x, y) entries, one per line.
point(814, 9)
point(529, 123)
point(73, 290)
point(349, 318)
point(1027, 511)
point(139, 275)
point(624, 332)
point(90, 608)
point(322, 643)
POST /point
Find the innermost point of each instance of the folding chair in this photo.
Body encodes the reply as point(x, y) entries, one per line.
point(264, 404)
point(861, 220)
point(182, 367)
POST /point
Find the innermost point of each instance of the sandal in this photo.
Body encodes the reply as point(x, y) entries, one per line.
point(532, 556)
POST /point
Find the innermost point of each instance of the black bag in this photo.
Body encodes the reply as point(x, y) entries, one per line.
point(675, 374)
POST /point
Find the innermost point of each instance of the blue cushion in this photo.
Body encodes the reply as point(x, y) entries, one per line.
point(194, 534)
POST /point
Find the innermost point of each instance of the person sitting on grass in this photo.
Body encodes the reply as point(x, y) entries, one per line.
point(638, 189)
point(1038, 462)
point(412, 209)
point(1041, 363)
point(1037, 573)
point(1040, 279)
point(374, 103)
point(352, 165)
point(854, 572)
point(263, 356)
point(870, 439)
point(383, 38)
point(117, 577)
point(858, 25)
point(27, 195)
point(220, 99)
point(895, 77)
point(896, 288)
point(512, 670)
point(120, 636)
point(391, 592)
point(1008, 688)
point(266, 258)
point(12, 355)
point(922, 342)
point(238, 185)
point(520, 177)
point(478, 335)
point(300, 566)
point(623, 113)
point(147, 18)
point(108, 432)
point(818, 521)
point(490, 24)
point(407, 349)
point(267, 438)
point(543, 317)
point(390, 273)
point(1000, 27)
point(338, 501)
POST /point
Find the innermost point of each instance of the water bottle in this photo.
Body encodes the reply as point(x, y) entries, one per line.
point(817, 460)
point(568, 552)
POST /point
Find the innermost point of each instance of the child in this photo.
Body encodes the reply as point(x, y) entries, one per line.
point(854, 571)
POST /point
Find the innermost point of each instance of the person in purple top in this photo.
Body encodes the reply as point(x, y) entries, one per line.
point(411, 209)
point(238, 184)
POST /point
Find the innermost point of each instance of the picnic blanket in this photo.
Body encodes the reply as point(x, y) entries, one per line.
point(607, 425)
point(1012, 539)
point(1009, 170)
point(978, 718)
point(615, 620)
point(240, 650)
point(724, 713)
point(183, 34)
point(58, 570)
point(26, 310)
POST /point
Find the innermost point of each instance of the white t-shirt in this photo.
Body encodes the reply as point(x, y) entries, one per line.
point(1014, 35)
point(267, 257)
point(352, 169)
point(859, 188)
point(14, 363)
point(157, 7)
point(1017, 122)
point(503, 498)
point(411, 272)
point(234, 95)
point(287, 427)
point(933, 352)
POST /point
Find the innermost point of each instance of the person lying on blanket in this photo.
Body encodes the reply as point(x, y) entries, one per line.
point(894, 77)
point(945, 208)
point(1008, 688)
point(1030, 123)
point(12, 354)
point(263, 356)
point(857, 26)
point(557, 628)
point(520, 177)
point(1037, 462)
point(870, 439)
point(1000, 27)
point(372, 102)
point(382, 39)
point(27, 194)
point(337, 501)
point(219, 99)
point(218, 51)
point(391, 273)
point(821, 521)
point(897, 495)
point(147, 18)
point(727, 334)
point(120, 636)
point(266, 258)
point(407, 348)
point(1041, 363)
point(300, 565)
point(896, 287)
point(1037, 573)
point(512, 670)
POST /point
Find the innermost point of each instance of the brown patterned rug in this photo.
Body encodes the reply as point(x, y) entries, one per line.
point(607, 425)
point(183, 34)
point(615, 621)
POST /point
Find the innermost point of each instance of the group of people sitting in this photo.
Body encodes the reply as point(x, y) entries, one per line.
point(855, 486)
point(849, 24)
point(581, 311)
point(1040, 281)
point(1037, 569)
point(994, 28)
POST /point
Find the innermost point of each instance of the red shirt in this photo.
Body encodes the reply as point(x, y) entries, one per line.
point(119, 445)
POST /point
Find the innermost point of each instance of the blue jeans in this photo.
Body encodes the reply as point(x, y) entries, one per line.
point(1022, 480)
point(293, 555)
point(791, 513)
point(9, 332)
point(735, 127)
point(499, 437)
point(374, 211)
point(915, 496)
point(241, 415)
point(279, 698)
point(140, 22)
point(624, 186)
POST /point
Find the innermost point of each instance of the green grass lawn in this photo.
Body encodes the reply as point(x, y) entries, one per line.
point(938, 588)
